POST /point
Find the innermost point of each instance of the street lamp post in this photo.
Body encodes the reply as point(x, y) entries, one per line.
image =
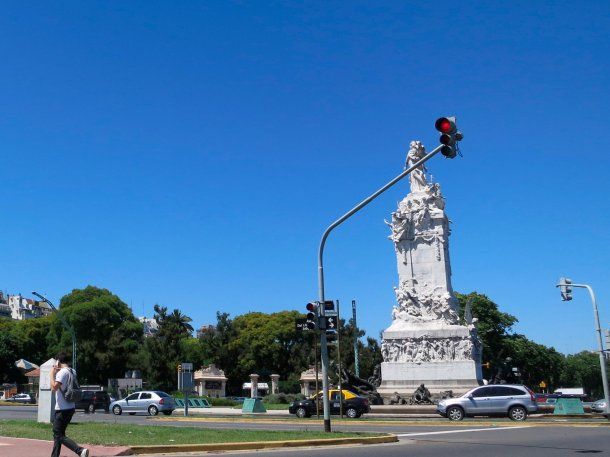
point(321, 297)
point(65, 324)
point(564, 285)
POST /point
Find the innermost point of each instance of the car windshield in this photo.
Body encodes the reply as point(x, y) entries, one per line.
point(161, 394)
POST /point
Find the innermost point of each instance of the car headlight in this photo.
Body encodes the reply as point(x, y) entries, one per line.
point(441, 403)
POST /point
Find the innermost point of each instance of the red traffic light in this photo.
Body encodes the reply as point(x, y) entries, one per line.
point(312, 307)
point(445, 125)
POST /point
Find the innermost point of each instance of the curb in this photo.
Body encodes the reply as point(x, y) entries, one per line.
point(253, 445)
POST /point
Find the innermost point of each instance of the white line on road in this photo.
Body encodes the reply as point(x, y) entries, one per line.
point(404, 435)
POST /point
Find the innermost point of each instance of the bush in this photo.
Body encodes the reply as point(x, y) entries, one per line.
point(221, 401)
point(282, 398)
point(289, 386)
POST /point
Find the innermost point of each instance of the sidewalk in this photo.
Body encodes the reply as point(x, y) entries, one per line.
point(12, 447)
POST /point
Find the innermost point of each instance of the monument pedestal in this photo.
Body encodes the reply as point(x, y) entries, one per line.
point(439, 356)
point(405, 377)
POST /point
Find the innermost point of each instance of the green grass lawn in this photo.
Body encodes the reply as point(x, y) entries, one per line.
point(127, 434)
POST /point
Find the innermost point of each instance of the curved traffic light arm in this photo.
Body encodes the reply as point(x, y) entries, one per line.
point(350, 213)
point(65, 324)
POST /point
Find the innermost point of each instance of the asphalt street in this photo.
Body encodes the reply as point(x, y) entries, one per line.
point(469, 438)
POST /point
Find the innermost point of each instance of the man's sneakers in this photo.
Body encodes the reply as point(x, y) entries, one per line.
point(84, 453)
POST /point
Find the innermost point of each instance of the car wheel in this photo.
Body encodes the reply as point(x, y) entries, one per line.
point(301, 413)
point(351, 413)
point(167, 413)
point(455, 413)
point(153, 410)
point(116, 410)
point(517, 413)
point(91, 408)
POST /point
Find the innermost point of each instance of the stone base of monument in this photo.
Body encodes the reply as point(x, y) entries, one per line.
point(405, 377)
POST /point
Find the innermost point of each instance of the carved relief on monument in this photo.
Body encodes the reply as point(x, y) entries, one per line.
point(424, 304)
point(424, 349)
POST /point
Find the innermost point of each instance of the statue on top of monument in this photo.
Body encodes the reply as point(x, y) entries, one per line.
point(417, 178)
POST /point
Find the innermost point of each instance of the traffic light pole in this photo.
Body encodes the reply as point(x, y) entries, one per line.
point(602, 357)
point(356, 364)
point(65, 324)
point(331, 227)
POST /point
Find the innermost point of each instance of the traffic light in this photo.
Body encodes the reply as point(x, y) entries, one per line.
point(565, 287)
point(313, 308)
point(486, 365)
point(449, 135)
point(179, 368)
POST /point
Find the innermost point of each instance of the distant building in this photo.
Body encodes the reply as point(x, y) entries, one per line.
point(205, 329)
point(150, 326)
point(19, 308)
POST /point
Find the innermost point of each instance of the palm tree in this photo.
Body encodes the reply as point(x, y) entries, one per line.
point(182, 321)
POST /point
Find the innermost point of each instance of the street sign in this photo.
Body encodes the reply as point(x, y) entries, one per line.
point(331, 322)
point(185, 380)
point(542, 385)
point(300, 325)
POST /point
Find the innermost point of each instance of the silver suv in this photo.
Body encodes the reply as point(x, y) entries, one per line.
point(514, 401)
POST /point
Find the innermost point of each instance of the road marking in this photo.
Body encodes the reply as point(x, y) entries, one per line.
point(403, 435)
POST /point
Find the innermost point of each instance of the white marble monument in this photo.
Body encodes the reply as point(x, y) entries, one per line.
point(426, 343)
point(46, 398)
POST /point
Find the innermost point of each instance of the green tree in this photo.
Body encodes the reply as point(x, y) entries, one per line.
point(107, 333)
point(583, 370)
point(163, 351)
point(535, 362)
point(493, 326)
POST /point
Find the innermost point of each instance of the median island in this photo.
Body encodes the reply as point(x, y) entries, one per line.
point(167, 437)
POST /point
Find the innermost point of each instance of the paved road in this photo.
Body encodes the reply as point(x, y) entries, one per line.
point(470, 438)
point(530, 441)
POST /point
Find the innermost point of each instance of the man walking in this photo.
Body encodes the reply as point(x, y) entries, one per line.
point(62, 376)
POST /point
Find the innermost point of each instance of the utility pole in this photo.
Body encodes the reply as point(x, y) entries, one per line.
point(449, 138)
point(356, 364)
point(339, 360)
point(565, 286)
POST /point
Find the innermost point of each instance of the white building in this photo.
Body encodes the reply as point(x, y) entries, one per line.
point(19, 308)
point(150, 325)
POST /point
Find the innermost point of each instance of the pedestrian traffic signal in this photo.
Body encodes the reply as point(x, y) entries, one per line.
point(449, 135)
point(313, 309)
point(329, 305)
point(565, 287)
point(486, 365)
point(331, 336)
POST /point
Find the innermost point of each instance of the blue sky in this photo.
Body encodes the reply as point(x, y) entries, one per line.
point(192, 153)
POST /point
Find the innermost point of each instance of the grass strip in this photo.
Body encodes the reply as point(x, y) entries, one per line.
point(131, 435)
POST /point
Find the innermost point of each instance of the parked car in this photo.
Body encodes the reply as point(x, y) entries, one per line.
point(512, 400)
point(22, 398)
point(93, 400)
point(599, 406)
point(148, 401)
point(353, 405)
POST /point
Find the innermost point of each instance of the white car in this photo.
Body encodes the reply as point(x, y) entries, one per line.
point(599, 406)
point(150, 402)
point(22, 398)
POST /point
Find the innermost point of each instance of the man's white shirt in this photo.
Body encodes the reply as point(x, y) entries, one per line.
point(64, 377)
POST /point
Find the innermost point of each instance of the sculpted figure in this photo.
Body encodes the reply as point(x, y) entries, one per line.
point(417, 177)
